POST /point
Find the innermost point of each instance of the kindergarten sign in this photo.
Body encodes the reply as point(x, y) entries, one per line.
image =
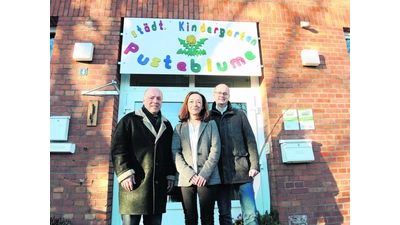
point(189, 47)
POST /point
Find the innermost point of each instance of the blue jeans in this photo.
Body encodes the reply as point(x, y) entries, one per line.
point(154, 219)
point(247, 203)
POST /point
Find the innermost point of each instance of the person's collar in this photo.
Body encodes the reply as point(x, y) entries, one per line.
point(223, 110)
point(150, 115)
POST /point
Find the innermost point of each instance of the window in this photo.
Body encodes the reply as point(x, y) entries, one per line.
point(159, 80)
point(188, 81)
point(231, 81)
point(347, 37)
point(53, 25)
point(52, 35)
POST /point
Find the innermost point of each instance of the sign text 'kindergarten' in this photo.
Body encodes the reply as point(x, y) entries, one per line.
point(190, 47)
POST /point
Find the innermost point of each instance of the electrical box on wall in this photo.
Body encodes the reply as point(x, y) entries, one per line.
point(59, 126)
point(296, 151)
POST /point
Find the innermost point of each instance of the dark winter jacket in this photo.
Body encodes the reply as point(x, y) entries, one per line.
point(137, 149)
point(208, 153)
point(239, 151)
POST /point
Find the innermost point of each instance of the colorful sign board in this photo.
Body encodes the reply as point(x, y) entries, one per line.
point(189, 47)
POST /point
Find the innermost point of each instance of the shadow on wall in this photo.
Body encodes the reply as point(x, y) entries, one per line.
point(311, 188)
point(78, 192)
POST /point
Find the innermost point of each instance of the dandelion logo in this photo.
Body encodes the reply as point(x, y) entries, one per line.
point(192, 47)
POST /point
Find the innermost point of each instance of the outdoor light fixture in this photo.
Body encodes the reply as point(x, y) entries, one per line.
point(83, 52)
point(310, 57)
point(304, 24)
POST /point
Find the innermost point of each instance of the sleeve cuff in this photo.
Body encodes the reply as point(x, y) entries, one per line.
point(171, 177)
point(125, 175)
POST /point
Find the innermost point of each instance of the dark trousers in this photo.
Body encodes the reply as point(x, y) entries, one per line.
point(207, 197)
point(154, 219)
point(224, 204)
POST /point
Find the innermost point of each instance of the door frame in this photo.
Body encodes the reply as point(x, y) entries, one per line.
point(251, 96)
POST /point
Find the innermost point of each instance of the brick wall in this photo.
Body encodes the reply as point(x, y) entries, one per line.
point(89, 201)
point(320, 190)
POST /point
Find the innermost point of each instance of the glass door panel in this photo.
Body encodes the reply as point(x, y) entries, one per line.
point(245, 98)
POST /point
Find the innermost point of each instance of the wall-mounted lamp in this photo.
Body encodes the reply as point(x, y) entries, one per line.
point(310, 57)
point(83, 52)
point(304, 24)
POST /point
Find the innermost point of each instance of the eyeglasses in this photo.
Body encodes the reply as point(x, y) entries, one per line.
point(222, 93)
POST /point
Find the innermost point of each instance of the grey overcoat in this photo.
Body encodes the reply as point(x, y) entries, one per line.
point(239, 151)
point(208, 153)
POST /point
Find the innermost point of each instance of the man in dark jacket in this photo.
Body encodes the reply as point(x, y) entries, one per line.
point(239, 160)
point(142, 158)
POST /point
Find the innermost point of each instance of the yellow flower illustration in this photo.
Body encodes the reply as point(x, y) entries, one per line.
point(192, 46)
point(191, 40)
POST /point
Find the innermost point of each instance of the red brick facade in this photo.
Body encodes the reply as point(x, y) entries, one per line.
point(320, 190)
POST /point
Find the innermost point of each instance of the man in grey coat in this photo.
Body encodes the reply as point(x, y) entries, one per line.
point(239, 160)
point(142, 158)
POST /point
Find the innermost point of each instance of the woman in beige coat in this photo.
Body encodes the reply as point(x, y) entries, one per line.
point(195, 150)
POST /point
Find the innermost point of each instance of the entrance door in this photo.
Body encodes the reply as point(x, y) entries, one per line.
point(246, 98)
